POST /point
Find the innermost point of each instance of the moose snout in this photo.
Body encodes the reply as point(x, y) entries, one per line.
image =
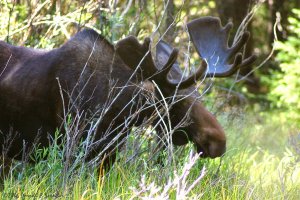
point(217, 150)
point(212, 150)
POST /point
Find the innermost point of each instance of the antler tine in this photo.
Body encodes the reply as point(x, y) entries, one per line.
point(171, 60)
point(238, 45)
point(192, 79)
point(227, 28)
point(211, 42)
point(235, 49)
point(163, 51)
point(248, 61)
point(146, 44)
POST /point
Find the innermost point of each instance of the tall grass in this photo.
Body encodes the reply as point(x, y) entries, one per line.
point(261, 163)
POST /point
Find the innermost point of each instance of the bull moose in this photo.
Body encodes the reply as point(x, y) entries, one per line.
point(114, 87)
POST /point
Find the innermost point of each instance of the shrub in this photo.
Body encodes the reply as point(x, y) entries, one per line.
point(285, 87)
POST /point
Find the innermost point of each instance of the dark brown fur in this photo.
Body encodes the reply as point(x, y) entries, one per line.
point(87, 71)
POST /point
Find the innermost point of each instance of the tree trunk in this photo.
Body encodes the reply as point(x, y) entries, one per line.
point(235, 11)
point(169, 22)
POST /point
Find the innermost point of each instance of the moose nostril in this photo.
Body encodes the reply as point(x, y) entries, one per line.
point(201, 151)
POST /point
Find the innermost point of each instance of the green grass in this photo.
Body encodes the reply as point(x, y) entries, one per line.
point(261, 162)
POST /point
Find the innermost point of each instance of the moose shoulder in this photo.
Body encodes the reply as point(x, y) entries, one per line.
point(109, 89)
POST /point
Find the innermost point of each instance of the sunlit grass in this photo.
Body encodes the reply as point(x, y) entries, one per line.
point(261, 163)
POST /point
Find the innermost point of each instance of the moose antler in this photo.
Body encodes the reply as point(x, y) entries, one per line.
point(135, 54)
point(211, 42)
point(163, 51)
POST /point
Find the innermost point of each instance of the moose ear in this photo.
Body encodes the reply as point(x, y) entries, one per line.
point(136, 55)
point(180, 138)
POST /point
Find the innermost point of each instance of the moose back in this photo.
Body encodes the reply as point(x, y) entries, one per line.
point(109, 89)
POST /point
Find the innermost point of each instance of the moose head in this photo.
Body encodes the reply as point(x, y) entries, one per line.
point(104, 82)
point(211, 42)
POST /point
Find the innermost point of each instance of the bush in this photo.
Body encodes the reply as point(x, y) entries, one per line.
point(285, 87)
